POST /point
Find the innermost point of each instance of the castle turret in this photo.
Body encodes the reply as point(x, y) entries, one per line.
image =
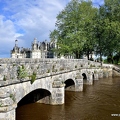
point(35, 53)
point(16, 48)
point(15, 53)
point(16, 43)
point(34, 44)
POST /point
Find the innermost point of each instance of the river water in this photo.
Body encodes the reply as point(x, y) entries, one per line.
point(100, 101)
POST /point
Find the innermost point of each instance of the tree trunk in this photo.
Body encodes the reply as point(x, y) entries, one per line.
point(100, 57)
point(88, 55)
point(77, 53)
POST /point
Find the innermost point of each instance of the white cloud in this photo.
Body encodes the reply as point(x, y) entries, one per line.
point(36, 17)
point(24, 20)
point(7, 35)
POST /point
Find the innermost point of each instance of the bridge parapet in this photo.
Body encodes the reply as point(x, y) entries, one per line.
point(14, 70)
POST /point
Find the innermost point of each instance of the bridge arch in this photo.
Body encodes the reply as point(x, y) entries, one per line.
point(84, 76)
point(25, 89)
point(88, 76)
point(37, 95)
point(69, 84)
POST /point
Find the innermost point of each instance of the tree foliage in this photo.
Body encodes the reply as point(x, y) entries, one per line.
point(108, 29)
point(72, 27)
point(82, 28)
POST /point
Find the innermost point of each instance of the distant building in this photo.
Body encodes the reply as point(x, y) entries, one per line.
point(37, 50)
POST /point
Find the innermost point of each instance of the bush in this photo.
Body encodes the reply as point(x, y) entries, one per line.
point(4, 78)
point(22, 73)
point(33, 77)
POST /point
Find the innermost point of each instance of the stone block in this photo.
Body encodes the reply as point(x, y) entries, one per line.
point(6, 101)
point(4, 94)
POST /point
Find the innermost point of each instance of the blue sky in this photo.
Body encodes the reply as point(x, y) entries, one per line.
point(25, 20)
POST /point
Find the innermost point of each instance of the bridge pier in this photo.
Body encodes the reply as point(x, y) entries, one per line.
point(8, 112)
point(57, 96)
point(10, 115)
point(79, 85)
point(105, 74)
point(96, 76)
point(7, 105)
point(90, 79)
point(100, 74)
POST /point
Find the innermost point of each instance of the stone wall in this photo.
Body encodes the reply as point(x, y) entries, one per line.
point(116, 73)
point(112, 70)
point(9, 68)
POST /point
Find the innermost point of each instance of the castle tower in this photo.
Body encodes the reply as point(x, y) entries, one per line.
point(34, 44)
point(45, 45)
point(16, 43)
point(35, 53)
point(15, 53)
point(16, 49)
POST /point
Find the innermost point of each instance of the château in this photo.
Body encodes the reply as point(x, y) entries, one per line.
point(38, 50)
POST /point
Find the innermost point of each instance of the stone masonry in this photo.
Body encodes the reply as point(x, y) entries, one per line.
point(19, 77)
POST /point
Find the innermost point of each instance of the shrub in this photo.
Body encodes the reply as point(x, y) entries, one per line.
point(48, 71)
point(22, 73)
point(12, 97)
point(75, 66)
point(4, 78)
point(33, 77)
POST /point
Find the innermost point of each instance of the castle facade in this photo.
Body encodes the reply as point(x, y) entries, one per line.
point(38, 50)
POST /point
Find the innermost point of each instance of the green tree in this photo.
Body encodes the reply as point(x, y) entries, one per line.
point(99, 33)
point(89, 31)
point(112, 28)
point(82, 29)
point(107, 29)
point(71, 27)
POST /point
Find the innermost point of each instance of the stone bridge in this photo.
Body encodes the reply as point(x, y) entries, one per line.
point(25, 81)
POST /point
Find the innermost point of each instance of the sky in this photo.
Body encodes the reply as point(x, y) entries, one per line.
point(25, 20)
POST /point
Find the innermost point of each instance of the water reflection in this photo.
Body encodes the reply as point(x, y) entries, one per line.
point(96, 102)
